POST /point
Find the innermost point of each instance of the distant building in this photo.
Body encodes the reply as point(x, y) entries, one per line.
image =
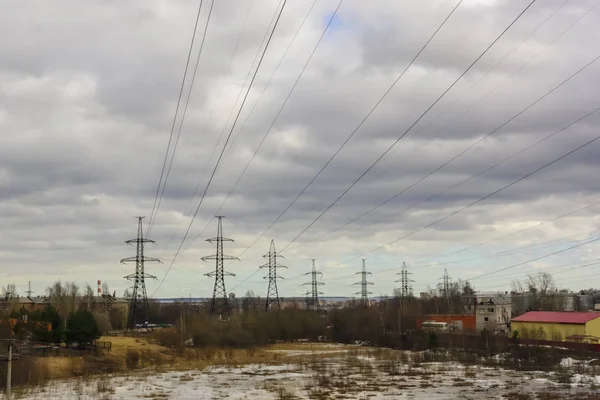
point(28, 303)
point(558, 325)
point(106, 303)
point(586, 302)
point(493, 311)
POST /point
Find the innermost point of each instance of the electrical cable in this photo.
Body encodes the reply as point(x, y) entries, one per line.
point(228, 69)
point(474, 202)
point(185, 108)
point(454, 186)
point(534, 259)
point(231, 113)
point(409, 128)
point(517, 46)
point(187, 63)
point(446, 125)
point(512, 233)
point(353, 132)
point(280, 109)
point(225, 145)
point(266, 86)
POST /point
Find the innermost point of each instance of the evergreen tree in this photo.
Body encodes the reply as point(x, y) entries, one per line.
point(81, 327)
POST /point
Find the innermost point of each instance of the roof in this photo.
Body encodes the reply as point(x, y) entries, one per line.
point(557, 317)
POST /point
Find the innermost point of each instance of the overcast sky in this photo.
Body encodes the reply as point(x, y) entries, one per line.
point(88, 92)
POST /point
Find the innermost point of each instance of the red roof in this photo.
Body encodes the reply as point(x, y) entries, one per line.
point(557, 317)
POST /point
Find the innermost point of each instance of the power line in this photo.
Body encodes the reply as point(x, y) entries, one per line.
point(280, 109)
point(187, 63)
point(410, 127)
point(225, 145)
point(354, 131)
point(535, 259)
point(515, 232)
point(233, 55)
point(266, 86)
point(231, 113)
point(476, 201)
point(493, 255)
point(553, 270)
point(445, 125)
point(454, 186)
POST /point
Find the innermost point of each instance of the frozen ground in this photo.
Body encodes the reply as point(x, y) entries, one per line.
point(320, 376)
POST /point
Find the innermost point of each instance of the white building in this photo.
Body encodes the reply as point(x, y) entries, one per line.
point(493, 311)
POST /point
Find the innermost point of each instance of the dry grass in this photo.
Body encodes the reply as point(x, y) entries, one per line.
point(120, 345)
point(307, 346)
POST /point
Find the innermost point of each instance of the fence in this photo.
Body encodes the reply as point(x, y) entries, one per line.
point(36, 349)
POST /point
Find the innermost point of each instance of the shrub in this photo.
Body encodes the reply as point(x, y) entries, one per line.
point(132, 358)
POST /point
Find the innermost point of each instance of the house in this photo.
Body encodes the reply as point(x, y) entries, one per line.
point(557, 325)
point(29, 303)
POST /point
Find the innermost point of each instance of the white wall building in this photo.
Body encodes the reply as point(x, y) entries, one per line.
point(493, 311)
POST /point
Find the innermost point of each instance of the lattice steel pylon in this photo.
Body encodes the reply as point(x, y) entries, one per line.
point(313, 302)
point(446, 284)
point(139, 296)
point(364, 284)
point(405, 282)
point(219, 305)
point(272, 293)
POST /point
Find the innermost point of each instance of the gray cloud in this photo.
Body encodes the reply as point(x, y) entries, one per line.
point(87, 96)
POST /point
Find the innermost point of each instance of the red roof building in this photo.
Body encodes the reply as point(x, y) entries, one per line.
point(557, 317)
point(557, 326)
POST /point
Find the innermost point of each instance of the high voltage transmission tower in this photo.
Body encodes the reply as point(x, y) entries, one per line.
point(312, 302)
point(364, 292)
point(219, 304)
point(272, 294)
point(139, 296)
point(446, 285)
point(405, 282)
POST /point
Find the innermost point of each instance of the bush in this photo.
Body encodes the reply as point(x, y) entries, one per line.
point(132, 359)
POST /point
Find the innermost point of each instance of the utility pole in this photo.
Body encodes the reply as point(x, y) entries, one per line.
point(405, 281)
point(139, 296)
point(219, 304)
point(272, 293)
point(364, 292)
point(9, 371)
point(313, 302)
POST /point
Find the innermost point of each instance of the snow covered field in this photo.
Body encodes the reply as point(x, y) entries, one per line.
point(330, 375)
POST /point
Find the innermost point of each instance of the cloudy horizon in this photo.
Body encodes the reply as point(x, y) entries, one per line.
point(88, 94)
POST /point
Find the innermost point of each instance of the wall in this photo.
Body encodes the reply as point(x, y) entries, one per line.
point(593, 327)
point(552, 331)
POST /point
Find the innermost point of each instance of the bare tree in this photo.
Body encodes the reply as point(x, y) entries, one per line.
point(9, 291)
point(542, 283)
point(88, 297)
point(63, 297)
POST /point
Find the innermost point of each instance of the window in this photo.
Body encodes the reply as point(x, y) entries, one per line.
point(486, 319)
point(490, 310)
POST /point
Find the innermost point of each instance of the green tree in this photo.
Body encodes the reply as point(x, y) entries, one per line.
point(81, 327)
